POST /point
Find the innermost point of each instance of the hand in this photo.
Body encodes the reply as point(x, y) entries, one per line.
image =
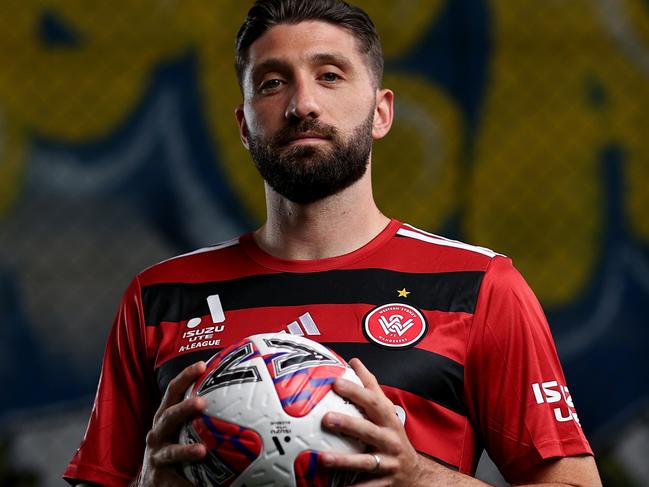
point(399, 463)
point(163, 453)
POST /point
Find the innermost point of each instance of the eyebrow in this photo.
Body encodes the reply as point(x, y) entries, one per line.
point(334, 58)
point(320, 58)
point(270, 64)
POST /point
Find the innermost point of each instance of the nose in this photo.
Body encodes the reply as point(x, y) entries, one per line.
point(303, 102)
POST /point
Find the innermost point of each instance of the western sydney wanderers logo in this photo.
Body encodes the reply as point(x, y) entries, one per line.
point(395, 325)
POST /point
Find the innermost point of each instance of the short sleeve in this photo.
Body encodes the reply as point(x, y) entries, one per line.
point(514, 384)
point(112, 449)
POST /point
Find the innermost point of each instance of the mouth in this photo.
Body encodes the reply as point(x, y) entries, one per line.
point(306, 138)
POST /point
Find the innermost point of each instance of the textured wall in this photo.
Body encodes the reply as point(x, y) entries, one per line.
point(520, 126)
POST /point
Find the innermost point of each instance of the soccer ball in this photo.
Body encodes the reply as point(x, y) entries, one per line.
point(266, 396)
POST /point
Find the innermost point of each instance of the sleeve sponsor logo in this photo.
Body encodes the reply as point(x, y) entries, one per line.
point(558, 395)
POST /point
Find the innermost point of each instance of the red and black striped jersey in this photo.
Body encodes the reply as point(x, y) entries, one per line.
point(452, 332)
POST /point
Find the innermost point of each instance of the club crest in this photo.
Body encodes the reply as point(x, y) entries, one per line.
point(395, 325)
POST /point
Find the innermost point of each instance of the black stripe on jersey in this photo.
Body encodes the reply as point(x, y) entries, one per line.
point(175, 366)
point(430, 376)
point(448, 291)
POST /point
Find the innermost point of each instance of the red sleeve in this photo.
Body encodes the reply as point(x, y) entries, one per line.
point(111, 452)
point(515, 387)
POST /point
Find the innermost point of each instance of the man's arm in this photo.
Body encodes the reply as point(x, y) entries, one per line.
point(400, 465)
point(126, 400)
point(579, 471)
point(163, 453)
point(572, 471)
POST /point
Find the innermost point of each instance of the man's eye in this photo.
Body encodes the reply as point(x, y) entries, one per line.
point(330, 77)
point(270, 84)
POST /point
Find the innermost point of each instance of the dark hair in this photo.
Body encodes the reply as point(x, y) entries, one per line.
point(265, 14)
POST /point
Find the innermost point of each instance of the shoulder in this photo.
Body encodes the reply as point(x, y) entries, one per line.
point(192, 266)
point(408, 231)
point(443, 254)
point(497, 281)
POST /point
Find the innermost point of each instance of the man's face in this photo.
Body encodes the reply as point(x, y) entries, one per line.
point(309, 110)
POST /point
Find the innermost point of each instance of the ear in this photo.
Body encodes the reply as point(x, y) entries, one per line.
point(383, 113)
point(243, 127)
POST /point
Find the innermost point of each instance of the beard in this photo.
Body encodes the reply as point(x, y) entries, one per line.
point(307, 173)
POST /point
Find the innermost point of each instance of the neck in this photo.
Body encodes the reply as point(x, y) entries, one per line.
point(326, 228)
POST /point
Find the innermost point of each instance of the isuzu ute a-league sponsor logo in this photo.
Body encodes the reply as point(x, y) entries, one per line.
point(553, 393)
point(200, 332)
point(395, 325)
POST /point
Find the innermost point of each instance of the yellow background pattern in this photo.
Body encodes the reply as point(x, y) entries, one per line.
point(562, 86)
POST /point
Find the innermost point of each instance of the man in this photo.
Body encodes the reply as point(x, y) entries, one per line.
point(466, 357)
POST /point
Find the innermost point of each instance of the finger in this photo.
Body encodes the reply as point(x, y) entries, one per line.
point(377, 407)
point(169, 478)
point(361, 429)
point(171, 420)
point(361, 462)
point(178, 385)
point(367, 378)
point(173, 454)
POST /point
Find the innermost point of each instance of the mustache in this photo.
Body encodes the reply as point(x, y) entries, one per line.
point(289, 133)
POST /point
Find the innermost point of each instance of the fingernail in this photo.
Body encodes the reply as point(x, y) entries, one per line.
point(333, 419)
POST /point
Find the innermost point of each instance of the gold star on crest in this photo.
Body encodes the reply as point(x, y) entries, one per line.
point(403, 293)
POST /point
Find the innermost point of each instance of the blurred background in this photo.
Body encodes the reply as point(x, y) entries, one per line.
point(520, 126)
